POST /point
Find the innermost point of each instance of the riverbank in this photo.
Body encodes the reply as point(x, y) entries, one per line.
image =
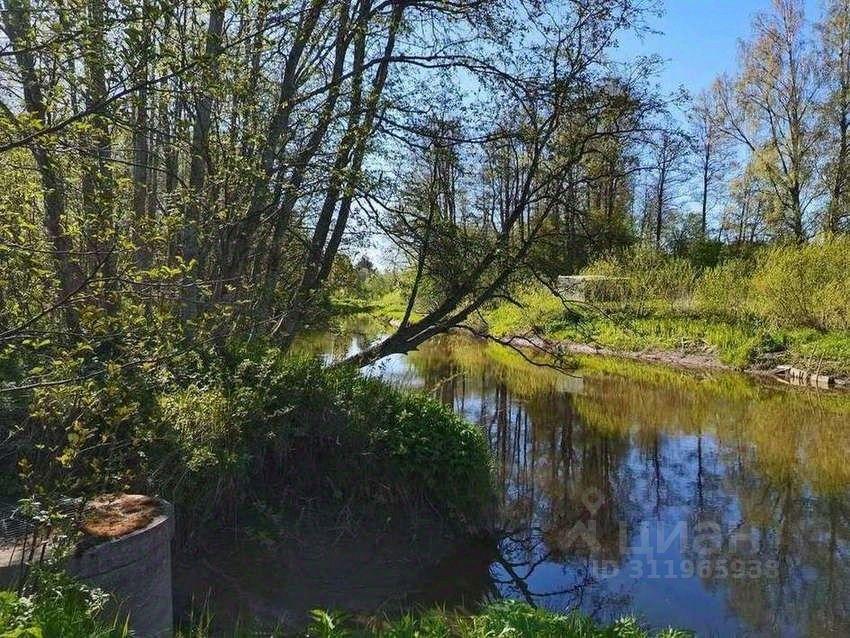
point(798, 357)
point(779, 371)
point(781, 310)
point(668, 335)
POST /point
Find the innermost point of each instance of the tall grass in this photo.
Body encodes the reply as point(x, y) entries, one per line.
point(804, 285)
point(505, 618)
point(786, 286)
point(642, 277)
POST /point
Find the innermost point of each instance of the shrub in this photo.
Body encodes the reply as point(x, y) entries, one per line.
point(429, 446)
point(647, 275)
point(200, 454)
point(705, 253)
point(725, 290)
point(86, 437)
point(54, 606)
point(804, 285)
point(263, 424)
point(789, 286)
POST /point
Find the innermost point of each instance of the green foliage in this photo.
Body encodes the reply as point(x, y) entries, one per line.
point(640, 276)
point(536, 309)
point(805, 285)
point(792, 286)
point(54, 606)
point(785, 286)
point(724, 290)
point(428, 445)
point(704, 253)
point(87, 436)
point(214, 430)
point(504, 618)
point(391, 305)
point(790, 300)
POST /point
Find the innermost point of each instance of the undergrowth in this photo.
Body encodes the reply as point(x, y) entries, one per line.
point(787, 304)
point(54, 606)
point(216, 431)
point(505, 618)
point(62, 608)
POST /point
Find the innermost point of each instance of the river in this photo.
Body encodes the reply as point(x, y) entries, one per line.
point(710, 501)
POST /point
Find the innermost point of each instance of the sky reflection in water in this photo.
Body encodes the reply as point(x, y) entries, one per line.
point(713, 502)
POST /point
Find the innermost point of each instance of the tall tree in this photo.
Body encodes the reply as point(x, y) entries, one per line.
point(835, 68)
point(770, 108)
point(711, 153)
point(218, 166)
point(668, 151)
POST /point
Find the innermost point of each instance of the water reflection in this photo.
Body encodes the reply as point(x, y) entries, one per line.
point(712, 502)
point(708, 501)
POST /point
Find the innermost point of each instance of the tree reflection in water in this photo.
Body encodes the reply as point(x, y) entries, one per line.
point(646, 458)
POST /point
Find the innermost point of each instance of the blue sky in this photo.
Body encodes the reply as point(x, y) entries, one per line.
point(699, 38)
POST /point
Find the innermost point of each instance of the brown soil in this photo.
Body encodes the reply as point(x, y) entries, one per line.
point(116, 515)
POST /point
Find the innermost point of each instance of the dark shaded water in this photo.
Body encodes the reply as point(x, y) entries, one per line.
point(711, 502)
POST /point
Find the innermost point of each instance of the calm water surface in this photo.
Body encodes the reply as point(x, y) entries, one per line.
point(707, 501)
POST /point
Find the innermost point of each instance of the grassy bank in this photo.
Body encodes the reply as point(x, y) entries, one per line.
point(782, 305)
point(60, 608)
point(506, 618)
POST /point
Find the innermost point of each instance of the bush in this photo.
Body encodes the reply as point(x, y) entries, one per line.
point(725, 290)
point(642, 275)
point(792, 286)
point(87, 437)
point(804, 285)
point(705, 253)
point(54, 606)
point(263, 424)
point(428, 445)
point(200, 452)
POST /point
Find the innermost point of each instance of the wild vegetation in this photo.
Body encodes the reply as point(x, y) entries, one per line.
point(218, 434)
point(63, 608)
point(55, 605)
point(779, 304)
point(499, 619)
point(188, 188)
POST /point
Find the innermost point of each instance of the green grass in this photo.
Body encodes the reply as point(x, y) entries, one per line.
point(536, 308)
point(508, 619)
point(60, 608)
point(392, 306)
point(737, 343)
point(54, 606)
